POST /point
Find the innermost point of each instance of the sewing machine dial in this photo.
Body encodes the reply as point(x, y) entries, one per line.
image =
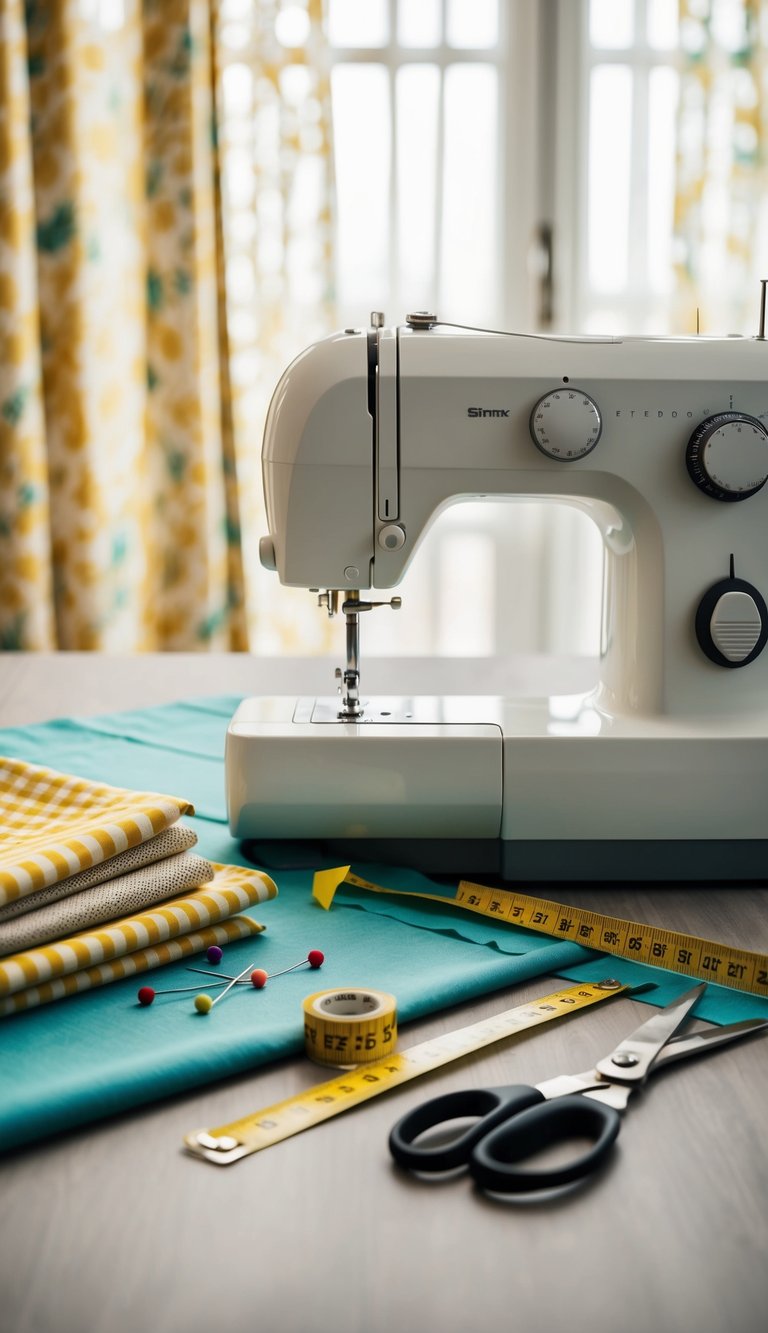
point(727, 456)
point(566, 424)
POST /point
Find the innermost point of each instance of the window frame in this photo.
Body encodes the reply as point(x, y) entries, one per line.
point(516, 58)
point(636, 308)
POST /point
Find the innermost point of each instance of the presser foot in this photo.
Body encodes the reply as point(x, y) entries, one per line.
point(352, 708)
point(368, 711)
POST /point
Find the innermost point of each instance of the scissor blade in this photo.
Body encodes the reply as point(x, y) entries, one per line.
point(611, 1092)
point(634, 1057)
point(698, 1042)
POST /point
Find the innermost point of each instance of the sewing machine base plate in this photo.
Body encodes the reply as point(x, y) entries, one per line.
point(528, 789)
point(714, 861)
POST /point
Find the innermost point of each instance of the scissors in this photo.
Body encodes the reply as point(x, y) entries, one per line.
point(516, 1122)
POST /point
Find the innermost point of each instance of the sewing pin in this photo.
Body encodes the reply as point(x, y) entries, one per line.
point(259, 977)
point(146, 994)
point(204, 1003)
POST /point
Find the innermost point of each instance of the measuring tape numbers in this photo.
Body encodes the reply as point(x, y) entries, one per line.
point(704, 960)
point(272, 1124)
point(686, 954)
point(349, 1027)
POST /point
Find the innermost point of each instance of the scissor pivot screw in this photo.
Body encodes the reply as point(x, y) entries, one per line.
point(625, 1059)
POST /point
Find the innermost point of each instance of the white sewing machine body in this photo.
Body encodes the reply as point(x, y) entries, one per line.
point(663, 770)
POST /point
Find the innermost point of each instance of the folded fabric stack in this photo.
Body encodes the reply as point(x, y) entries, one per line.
point(80, 865)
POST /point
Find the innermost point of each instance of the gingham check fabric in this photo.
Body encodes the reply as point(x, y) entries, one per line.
point(53, 828)
point(130, 965)
point(231, 890)
point(53, 825)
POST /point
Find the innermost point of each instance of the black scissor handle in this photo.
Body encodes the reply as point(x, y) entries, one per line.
point(493, 1106)
point(496, 1162)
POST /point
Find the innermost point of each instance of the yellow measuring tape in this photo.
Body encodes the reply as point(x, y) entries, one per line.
point(704, 960)
point(274, 1123)
point(349, 1027)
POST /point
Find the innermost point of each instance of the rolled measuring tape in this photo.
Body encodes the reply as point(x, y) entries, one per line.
point(349, 1027)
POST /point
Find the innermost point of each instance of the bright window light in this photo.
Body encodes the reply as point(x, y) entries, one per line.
point(612, 23)
point(352, 23)
point(468, 259)
point(418, 25)
point(418, 101)
point(472, 24)
point(362, 146)
point(610, 130)
point(662, 110)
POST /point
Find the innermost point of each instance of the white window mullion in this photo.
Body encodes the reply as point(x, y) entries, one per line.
point(639, 302)
point(637, 275)
point(394, 202)
point(437, 217)
point(569, 82)
point(437, 220)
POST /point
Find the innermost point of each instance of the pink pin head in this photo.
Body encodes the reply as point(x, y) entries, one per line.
point(315, 958)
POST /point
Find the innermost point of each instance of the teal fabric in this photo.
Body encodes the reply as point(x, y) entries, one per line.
point(99, 1053)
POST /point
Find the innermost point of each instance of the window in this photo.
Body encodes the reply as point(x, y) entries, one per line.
point(615, 159)
point(438, 191)
point(511, 163)
point(417, 138)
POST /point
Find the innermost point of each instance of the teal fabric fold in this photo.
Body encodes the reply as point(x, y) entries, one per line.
point(100, 1053)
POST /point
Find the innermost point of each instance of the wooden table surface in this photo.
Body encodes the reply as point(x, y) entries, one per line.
point(113, 1229)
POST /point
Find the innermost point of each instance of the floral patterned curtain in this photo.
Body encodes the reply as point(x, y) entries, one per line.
point(120, 508)
point(721, 204)
point(278, 188)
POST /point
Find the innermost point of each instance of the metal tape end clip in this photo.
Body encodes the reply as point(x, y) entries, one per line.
point(220, 1150)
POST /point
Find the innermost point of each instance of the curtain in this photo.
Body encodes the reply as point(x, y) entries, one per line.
point(278, 192)
point(119, 512)
point(721, 202)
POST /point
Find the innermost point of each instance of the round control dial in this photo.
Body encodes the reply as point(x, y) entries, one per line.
point(727, 456)
point(566, 424)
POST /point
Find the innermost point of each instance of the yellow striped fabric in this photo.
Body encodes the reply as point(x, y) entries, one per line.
point(53, 825)
point(231, 890)
point(142, 960)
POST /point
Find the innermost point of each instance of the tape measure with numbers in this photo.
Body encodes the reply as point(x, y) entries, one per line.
point(705, 960)
point(272, 1124)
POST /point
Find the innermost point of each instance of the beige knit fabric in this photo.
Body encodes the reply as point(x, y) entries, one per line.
point(232, 889)
point(172, 841)
point(105, 902)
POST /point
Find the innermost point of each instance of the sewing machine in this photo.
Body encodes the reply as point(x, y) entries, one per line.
point(660, 772)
